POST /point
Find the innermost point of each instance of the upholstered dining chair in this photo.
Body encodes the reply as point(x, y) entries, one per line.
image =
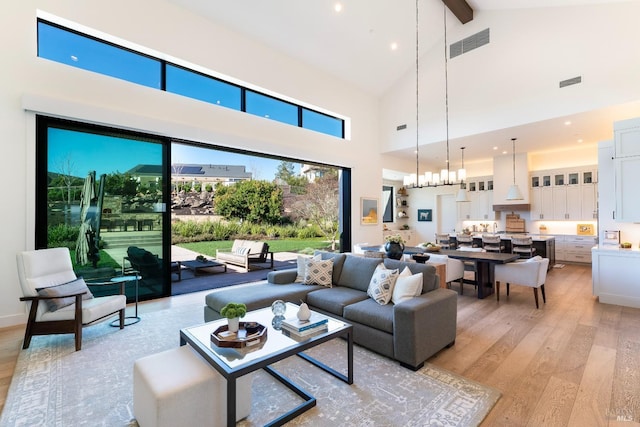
point(58, 301)
point(531, 272)
point(470, 266)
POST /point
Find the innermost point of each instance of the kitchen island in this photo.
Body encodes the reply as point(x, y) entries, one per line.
point(545, 244)
point(615, 275)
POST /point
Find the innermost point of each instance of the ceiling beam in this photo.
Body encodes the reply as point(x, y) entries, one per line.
point(461, 9)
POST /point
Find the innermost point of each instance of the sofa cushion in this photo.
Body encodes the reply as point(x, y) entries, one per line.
point(318, 272)
point(338, 262)
point(429, 282)
point(407, 286)
point(381, 284)
point(334, 300)
point(301, 263)
point(69, 288)
point(370, 313)
point(259, 296)
point(357, 272)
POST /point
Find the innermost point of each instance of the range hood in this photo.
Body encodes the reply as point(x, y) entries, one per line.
point(503, 179)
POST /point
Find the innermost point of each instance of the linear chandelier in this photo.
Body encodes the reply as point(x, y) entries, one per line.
point(445, 176)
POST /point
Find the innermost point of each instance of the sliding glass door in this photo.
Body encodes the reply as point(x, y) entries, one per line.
point(102, 193)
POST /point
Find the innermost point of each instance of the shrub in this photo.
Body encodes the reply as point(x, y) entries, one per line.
point(63, 235)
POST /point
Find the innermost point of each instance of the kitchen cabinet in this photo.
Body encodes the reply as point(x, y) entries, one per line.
point(564, 194)
point(627, 169)
point(615, 276)
point(577, 249)
point(480, 204)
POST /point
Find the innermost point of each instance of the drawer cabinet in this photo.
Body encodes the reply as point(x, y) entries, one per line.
point(574, 248)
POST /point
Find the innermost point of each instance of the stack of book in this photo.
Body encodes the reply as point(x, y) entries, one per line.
point(296, 328)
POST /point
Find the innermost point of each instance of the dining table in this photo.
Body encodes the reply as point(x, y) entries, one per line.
point(485, 262)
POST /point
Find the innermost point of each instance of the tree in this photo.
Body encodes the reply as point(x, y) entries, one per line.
point(320, 206)
point(66, 167)
point(286, 173)
point(255, 201)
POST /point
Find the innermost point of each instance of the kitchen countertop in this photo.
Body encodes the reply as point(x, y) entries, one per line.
point(507, 236)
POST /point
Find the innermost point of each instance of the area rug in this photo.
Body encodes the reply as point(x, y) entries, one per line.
point(54, 385)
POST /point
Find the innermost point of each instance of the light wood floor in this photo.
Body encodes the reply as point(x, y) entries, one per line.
point(573, 362)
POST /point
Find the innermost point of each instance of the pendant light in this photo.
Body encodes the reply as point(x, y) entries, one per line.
point(514, 192)
point(461, 196)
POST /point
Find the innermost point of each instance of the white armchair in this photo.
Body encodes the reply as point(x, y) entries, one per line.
point(454, 267)
point(532, 273)
point(59, 302)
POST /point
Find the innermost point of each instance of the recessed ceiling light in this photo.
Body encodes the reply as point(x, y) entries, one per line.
point(504, 152)
point(338, 7)
point(394, 46)
point(567, 123)
point(580, 140)
point(495, 148)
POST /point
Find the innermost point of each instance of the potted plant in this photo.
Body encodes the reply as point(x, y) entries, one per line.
point(394, 246)
point(233, 312)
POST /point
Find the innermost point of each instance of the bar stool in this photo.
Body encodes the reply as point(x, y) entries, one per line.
point(464, 240)
point(523, 246)
point(492, 243)
point(443, 240)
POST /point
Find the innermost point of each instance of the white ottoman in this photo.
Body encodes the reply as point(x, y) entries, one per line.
point(178, 387)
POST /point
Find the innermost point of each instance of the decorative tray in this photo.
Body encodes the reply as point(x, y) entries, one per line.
point(221, 337)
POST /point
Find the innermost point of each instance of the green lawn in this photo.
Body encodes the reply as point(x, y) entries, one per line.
point(280, 245)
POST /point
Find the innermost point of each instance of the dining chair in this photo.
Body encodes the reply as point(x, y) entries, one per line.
point(464, 240)
point(58, 301)
point(531, 272)
point(470, 266)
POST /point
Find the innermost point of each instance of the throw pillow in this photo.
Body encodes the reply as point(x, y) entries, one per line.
point(241, 251)
point(381, 284)
point(302, 266)
point(407, 286)
point(319, 272)
point(69, 288)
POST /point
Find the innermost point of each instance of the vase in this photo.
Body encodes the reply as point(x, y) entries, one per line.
point(234, 324)
point(394, 250)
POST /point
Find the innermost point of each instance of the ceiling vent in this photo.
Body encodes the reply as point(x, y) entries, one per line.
point(570, 82)
point(469, 43)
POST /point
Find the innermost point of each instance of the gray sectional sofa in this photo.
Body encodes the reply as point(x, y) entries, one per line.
point(409, 332)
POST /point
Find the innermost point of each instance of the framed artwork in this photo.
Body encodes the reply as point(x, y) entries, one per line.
point(368, 210)
point(424, 215)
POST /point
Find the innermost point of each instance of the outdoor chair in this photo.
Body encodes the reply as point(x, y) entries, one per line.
point(58, 301)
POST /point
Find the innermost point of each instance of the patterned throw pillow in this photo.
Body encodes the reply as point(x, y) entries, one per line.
point(407, 286)
point(69, 288)
point(241, 251)
point(319, 272)
point(302, 266)
point(381, 284)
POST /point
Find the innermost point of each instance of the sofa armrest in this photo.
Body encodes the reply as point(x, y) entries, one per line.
point(424, 325)
point(282, 277)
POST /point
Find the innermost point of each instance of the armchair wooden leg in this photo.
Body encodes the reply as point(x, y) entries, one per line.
point(28, 333)
point(78, 323)
point(507, 289)
point(497, 290)
point(544, 298)
point(535, 294)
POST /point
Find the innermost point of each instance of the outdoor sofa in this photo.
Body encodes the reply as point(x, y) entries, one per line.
point(409, 332)
point(246, 253)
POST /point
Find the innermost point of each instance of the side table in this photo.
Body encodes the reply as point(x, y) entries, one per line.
point(132, 319)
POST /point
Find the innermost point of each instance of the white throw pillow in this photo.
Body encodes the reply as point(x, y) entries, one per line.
point(381, 284)
point(319, 272)
point(407, 286)
point(302, 266)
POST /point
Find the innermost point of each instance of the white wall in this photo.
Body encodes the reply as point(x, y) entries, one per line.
point(514, 79)
point(29, 84)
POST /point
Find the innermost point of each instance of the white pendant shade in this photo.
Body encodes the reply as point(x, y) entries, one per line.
point(514, 193)
point(461, 196)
